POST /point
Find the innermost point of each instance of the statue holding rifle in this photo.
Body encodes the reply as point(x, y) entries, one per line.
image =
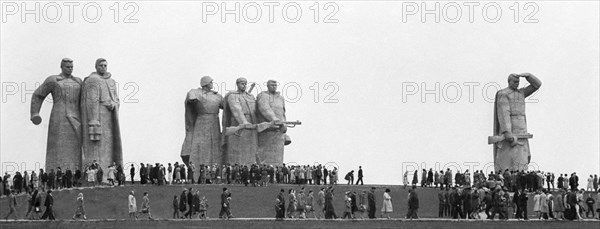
point(271, 142)
point(511, 139)
point(239, 110)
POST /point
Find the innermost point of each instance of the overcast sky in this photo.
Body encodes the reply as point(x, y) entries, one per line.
point(356, 84)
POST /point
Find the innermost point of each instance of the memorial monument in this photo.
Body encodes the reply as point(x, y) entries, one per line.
point(271, 142)
point(63, 148)
point(511, 139)
point(100, 115)
point(239, 110)
point(202, 126)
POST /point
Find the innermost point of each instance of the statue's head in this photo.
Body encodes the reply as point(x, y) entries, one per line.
point(241, 83)
point(513, 81)
point(66, 65)
point(206, 82)
point(101, 66)
point(272, 86)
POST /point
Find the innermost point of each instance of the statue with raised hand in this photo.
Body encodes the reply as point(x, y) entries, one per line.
point(511, 139)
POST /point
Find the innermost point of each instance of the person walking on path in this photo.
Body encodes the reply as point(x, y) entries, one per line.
point(49, 203)
point(12, 204)
point(360, 176)
point(146, 206)
point(387, 204)
point(79, 207)
point(413, 204)
point(132, 206)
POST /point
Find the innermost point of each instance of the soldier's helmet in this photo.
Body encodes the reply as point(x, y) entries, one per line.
point(205, 80)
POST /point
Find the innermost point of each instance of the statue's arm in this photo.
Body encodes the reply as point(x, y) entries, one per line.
point(235, 106)
point(38, 98)
point(190, 117)
point(534, 84)
point(265, 108)
point(503, 113)
point(116, 94)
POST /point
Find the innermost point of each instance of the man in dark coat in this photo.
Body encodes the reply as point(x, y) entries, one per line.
point(325, 175)
point(49, 203)
point(442, 203)
point(570, 209)
point(413, 204)
point(51, 179)
point(190, 204)
point(183, 202)
point(69, 178)
point(329, 209)
point(467, 206)
point(132, 173)
point(520, 199)
point(360, 176)
point(225, 208)
point(371, 202)
point(457, 205)
point(281, 198)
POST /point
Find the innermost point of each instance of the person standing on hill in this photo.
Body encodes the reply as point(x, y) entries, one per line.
point(415, 179)
point(360, 176)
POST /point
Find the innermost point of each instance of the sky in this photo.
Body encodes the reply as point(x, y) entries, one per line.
point(377, 84)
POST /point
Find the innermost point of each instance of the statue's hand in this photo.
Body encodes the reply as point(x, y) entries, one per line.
point(246, 125)
point(36, 119)
point(525, 74)
point(508, 136)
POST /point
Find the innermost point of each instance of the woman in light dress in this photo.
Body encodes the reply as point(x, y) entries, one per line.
point(536, 204)
point(387, 204)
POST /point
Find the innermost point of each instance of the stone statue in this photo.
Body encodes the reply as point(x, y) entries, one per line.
point(64, 128)
point(511, 144)
point(271, 108)
point(239, 110)
point(202, 126)
point(99, 112)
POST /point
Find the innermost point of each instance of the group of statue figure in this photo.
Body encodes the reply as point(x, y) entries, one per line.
point(84, 122)
point(254, 130)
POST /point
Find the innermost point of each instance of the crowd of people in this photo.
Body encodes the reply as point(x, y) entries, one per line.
point(253, 174)
point(461, 195)
point(357, 205)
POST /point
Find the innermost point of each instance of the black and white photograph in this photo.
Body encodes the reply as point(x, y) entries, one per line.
point(299, 114)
